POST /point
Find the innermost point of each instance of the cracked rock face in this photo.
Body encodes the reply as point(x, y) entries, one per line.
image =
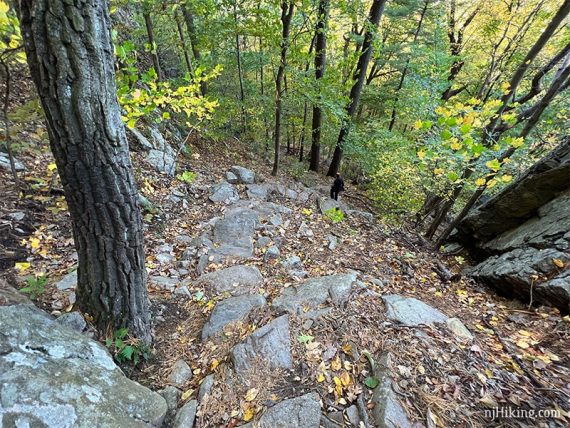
point(235, 280)
point(299, 412)
point(75, 381)
point(411, 312)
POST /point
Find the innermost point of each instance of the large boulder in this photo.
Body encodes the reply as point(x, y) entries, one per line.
point(235, 280)
point(298, 412)
point(52, 376)
point(231, 310)
point(521, 236)
point(164, 162)
point(306, 299)
point(268, 345)
point(411, 312)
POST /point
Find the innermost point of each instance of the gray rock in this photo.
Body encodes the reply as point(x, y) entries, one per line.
point(257, 191)
point(305, 231)
point(141, 139)
point(10, 296)
point(162, 161)
point(459, 330)
point(269, 345)
point(72, 320)
point(518, 270)
point(411, 312)
point(272, 253)
point(180, 373)
point(236, 280)
point(364, 215)
point(145, 204)
point(333, 242)
point(231, 178)
point(353, 416)
point(276, 219)
point(171, 395)
point(326, 204)
point(51, 376)
point(183, 291)
point(5, 163)
point(68, 282)
point(244, 175)
point(299, 412)
point(164, 282)
point(17, 216)
point(229, 311)
point(315, 292)
point(557, 291)
point(205, 387)
point(159, 141)
point(164, 258)
point(387, 411)
point(224, 192)
point(294, 267)
point(185, 416)
point(263, 241)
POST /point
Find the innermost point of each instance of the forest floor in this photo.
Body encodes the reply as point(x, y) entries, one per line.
point(519, 357)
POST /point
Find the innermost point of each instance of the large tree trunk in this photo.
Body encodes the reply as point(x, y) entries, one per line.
point(320, 63)
point(359, 77)
point(286, 15)
point(153, 48)
point(69, 51)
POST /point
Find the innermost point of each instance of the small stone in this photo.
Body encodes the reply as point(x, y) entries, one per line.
point(205, 387)
point(164, 258)
point(305, 231)
point(353, 416)
point(272, 253)
point(333, 242)
point(263, 241)
point(224, 192)
point(164, 282)
point(73, 320)
point(68, 282)
point(17, 216)
point(411, 312)
point(244, 175)
point(171, 395)
point(183, 291)
point(459, 329)
point(231, 177)
point(229, 311)
point(185, 416)
point(180, 374)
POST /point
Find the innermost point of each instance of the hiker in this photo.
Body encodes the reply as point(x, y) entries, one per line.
point(337, 187)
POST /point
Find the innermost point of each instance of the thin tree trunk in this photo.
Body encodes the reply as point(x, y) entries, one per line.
point(359, 76)
point(405, 70)
point(189, 20)
point(286, 15)
point(262, 89)
point(69, 51)
point(183, 46)
point(240, 73)
point(320, 64)
point(153, 47)
point(7, 137)
point(305, 108)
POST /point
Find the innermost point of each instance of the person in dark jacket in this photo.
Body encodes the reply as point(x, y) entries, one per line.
point(337, 187)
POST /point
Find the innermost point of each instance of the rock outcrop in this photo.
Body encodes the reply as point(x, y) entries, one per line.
point(522, 235)
point(52, 376)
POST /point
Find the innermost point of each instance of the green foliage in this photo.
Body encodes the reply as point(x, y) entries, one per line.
point(335, 215)
point(187, 177)
point(127, 349)
point(36, 286)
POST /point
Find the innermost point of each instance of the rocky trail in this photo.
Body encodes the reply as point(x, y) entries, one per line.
point(271, 309)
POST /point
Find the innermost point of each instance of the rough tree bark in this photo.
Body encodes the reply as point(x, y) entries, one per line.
point(69, 51)
point(320, 63)
point(376, 11)
point(286, 16)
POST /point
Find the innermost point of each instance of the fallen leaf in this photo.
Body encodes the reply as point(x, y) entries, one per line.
point(251, 394)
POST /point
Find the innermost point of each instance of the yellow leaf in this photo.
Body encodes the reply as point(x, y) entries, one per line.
point(338, 385)
point(186, 394)
point(345, 379)
point(321, 378)
point(524, 333)
point(248, 414)
point(421, 154)
point(52, 166)
point(421, 369)
point(522, 344)
point(214, 364)
point(336, 364)
point(22, 266)
point(251, 394)
point(558, 263)
point(34, 243)
point(480, 182)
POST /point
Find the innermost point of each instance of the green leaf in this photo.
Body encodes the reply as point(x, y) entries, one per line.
point(371, 382)
point(465, 128)
point(305, 338)
point(446, 135)
point(452, 176)
point(127, 352)
point(494, 165)
point(451, 121)
point(427, 124)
